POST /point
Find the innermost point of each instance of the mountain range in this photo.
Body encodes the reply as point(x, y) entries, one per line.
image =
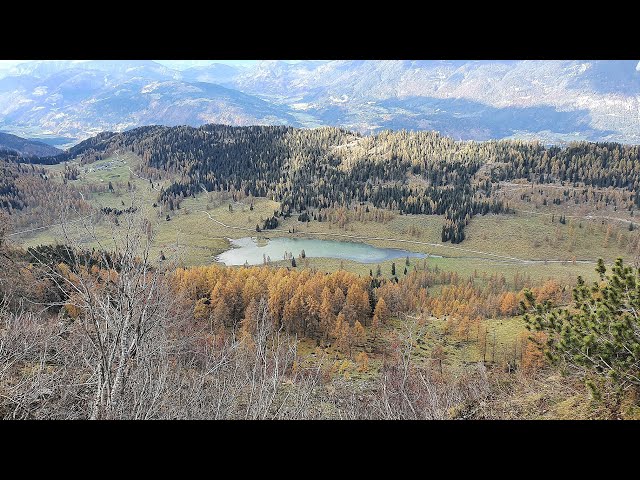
point(553, 101)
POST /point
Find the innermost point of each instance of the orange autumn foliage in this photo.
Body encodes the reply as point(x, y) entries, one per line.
point(532, 356)
point(509, 304)
point(301, 301)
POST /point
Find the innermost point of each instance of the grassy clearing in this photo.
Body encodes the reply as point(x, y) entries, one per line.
point(184, 236)
point(459, 352)
point(533, 236)
point(524, 236)
point(428, 336)
point(564, 274)
point(504, 331)
point(189, 235)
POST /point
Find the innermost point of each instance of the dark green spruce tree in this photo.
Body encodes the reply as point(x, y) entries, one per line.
point(599, 337)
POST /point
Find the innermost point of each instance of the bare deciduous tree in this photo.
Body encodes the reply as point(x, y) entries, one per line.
point(120, 308)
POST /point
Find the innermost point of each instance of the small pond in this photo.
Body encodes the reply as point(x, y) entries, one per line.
point(254, 251)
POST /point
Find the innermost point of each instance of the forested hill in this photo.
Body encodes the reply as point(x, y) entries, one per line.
point(308, 170)
point(24, 146)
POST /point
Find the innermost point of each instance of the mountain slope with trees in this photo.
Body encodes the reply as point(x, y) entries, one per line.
point(311, 170)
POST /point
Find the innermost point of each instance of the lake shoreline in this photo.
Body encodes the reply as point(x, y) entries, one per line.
point(252, 250)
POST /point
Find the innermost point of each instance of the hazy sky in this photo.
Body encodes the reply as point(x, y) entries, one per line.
point(177, 64)
point(181, 64)
point(10, 63)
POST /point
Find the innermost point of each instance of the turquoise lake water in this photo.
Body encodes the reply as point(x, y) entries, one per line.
point(248, 250)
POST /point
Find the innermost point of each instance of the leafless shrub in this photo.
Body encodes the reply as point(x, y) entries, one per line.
point(247, 377)
point(405, 390)
point(38, 373)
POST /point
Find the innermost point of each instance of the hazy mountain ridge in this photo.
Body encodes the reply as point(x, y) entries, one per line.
point(606, 94)
point(26, 147)
point(80, 102)
point(553, 101)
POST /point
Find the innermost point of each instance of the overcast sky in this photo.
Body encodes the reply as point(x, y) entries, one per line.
point(181, 64)
point(177, 64)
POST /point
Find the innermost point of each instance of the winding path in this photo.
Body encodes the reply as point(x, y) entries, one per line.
point(586, 217)
point(47, 226)
point(516, 186)
point(440, 245)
